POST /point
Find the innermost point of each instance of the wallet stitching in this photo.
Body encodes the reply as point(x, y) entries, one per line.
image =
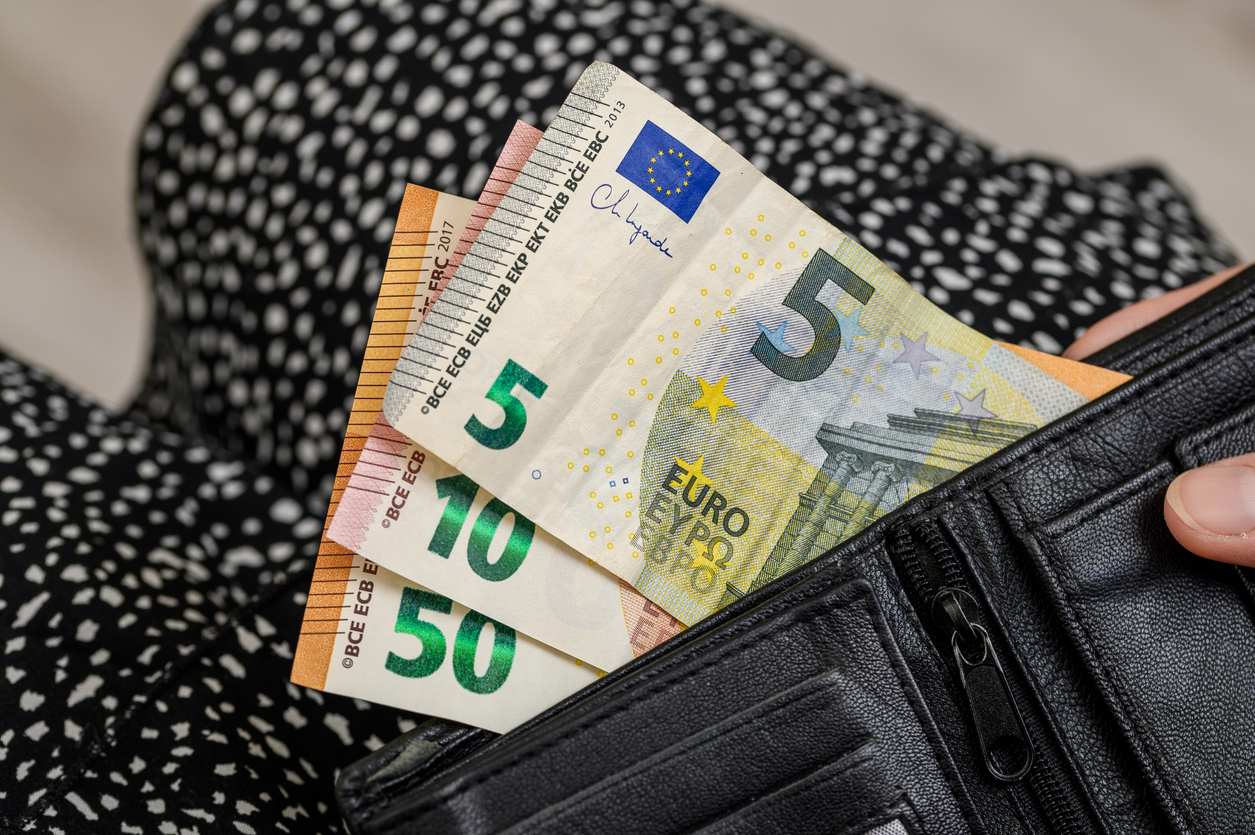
point(1155, 350)
point(845, 765)
point(876, 817)
point(1158, 350)
point(863, 597)
point(1065, 445)
point(1142, 739)
point(629, 702)
point(689, 745)
point(1101, 503)
point(1205, 439)
point(734, 627)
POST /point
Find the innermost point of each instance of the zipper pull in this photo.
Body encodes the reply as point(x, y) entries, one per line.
point(1004, 741)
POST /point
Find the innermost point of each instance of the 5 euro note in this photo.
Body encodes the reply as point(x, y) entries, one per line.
point(676, 368)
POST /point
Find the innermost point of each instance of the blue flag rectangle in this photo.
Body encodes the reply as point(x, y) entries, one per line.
point(668, 170)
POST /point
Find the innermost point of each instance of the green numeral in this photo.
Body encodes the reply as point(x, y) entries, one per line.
point(481, 537)
point(431, 657)
point(460, 491)
point(502, 393)
point(467, 642)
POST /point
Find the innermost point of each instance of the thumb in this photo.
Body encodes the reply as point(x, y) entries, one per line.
point(1211, 510)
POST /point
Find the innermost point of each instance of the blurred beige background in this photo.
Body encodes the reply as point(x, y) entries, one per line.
point(1095, 82)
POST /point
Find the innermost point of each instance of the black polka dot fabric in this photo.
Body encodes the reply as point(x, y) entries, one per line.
point(155, 565)
point(1032, 252)
point(274, 162)
point(151, 592)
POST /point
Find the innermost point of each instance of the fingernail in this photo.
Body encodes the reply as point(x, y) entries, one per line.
point(1215, 500)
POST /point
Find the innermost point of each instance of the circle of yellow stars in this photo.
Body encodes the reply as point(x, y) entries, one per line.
point(654, 159)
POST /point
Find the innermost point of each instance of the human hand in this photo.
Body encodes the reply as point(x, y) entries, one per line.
point(1210, 510)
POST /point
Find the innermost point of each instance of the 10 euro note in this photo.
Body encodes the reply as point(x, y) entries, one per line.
point(675, 367)
point(372, 634)
point(410, 511)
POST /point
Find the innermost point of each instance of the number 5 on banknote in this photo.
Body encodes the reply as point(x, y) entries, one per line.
point(502, 393)
point(804, 298)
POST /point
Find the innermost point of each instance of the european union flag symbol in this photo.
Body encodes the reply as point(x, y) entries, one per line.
point(668, 171)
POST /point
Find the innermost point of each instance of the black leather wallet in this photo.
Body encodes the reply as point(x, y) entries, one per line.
point(1024, 648)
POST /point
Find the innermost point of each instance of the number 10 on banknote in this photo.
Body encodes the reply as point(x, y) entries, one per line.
point(665, 360)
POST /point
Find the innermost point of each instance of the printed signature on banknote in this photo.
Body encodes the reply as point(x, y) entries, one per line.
point(605, 204)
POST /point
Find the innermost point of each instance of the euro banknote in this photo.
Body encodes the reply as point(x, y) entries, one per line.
point(406, 510)
point(662, 358)
point(407, 646)
point(370, 633)
point(423, 519)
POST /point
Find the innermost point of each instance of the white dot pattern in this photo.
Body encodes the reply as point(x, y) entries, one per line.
point(274, 161)
point(151, 592)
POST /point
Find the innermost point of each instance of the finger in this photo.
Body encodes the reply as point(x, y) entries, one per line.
point(1120, 324)
point(1211, 510)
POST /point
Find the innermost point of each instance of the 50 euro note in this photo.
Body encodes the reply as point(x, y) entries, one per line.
point(675, 367)
point(371, 633)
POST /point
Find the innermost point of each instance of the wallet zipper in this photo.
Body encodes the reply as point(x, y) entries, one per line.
point(1011, 751)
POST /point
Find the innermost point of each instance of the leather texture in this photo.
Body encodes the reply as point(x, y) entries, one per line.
point(833, 700)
